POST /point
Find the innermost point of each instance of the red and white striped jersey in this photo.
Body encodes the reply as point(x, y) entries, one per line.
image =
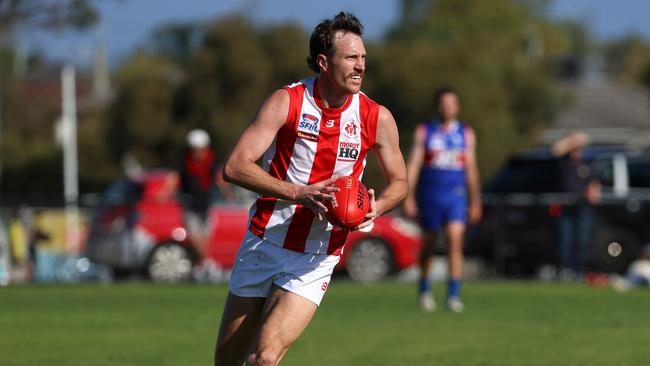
point(314, 144)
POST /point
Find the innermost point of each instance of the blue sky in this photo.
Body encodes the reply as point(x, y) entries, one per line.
point(126, 23)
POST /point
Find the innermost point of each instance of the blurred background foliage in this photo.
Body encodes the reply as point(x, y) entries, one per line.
point(505, 57)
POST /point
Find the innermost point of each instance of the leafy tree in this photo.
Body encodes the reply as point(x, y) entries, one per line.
point(500, 55)
point(177, 41)
point(483, 50)
point(52, 14)
point(31, 159)
point(628, 59)
point(140, 118)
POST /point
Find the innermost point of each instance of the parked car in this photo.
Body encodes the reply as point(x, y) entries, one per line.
point(524, 200)
point(134, 230)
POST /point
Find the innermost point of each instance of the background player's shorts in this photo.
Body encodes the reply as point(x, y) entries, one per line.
point(435, 214)
point(260, 264)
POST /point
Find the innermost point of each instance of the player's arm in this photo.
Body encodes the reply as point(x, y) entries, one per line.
point(569, 143)
point(413, 167)
point(224, 187)
point(472, 177)
point(241, 166)
point(392, 165)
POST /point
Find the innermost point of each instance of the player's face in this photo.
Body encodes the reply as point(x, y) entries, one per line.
point(346, 64)
point(449, 106)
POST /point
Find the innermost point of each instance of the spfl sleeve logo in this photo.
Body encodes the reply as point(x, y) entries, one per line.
point(308, 127)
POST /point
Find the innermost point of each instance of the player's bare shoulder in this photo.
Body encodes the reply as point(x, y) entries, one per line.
point(470, 136)
point(386, 125)
point(274, 111)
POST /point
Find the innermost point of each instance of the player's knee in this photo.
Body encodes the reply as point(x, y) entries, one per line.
point(456, 246)
point(265, 357)
point(427, 251)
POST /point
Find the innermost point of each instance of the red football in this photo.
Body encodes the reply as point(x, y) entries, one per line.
point(351, 205)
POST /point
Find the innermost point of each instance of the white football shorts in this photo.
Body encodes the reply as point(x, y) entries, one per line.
point(260, 264)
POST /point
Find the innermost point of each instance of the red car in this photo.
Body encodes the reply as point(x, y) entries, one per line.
point(133, 229)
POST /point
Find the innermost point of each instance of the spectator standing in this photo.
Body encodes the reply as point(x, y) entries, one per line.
point(575, 224)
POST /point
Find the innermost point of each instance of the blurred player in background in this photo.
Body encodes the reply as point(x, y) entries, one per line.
point(198, 180)
point(442, 171)
point(305, 134)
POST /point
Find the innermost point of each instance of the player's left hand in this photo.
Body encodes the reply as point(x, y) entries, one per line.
point(475, 213)
point(372, 214)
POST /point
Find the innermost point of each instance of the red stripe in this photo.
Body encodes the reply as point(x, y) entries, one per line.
point(369, 112)
point(298, 230)
point(337, 239)
point(263, 210)
point(322, 168)
point(279, 166)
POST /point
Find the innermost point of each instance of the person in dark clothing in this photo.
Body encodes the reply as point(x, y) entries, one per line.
point(197, 178)
point(575, 225)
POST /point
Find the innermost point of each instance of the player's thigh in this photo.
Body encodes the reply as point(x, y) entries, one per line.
point(430, 215)
point(429, 238)
point(239, 324)
point(455, 231)
point(285, 317)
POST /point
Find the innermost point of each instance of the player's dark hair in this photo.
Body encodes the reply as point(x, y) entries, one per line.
point(322, 38)
point(446, 89)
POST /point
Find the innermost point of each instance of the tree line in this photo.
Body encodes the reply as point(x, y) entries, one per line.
point(503, 57)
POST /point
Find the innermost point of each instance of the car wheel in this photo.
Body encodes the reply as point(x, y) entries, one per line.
point(170, 263)
point(369, 260)
point(613, 250)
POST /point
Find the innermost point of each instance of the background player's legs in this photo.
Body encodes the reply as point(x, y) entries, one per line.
point(455, 231)
point(284, 318)
point(455, 234)
point(239, 324)
point(197, 231)
point(426, 258)
point(427, 253)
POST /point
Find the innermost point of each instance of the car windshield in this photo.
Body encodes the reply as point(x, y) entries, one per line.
point(639, 171)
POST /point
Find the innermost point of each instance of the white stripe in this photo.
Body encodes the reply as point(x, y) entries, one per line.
point(352, 113)
point(276, 229)
point(309, 94)
point(319, 235)
point(301, 161)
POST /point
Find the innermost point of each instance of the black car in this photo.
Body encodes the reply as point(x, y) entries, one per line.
point(524, 200)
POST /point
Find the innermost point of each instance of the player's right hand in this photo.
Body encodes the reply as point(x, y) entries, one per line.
point(313, 195)
point(410, 207)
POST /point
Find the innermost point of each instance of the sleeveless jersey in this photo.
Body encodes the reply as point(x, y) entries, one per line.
point(443, 171)
point(314, 144)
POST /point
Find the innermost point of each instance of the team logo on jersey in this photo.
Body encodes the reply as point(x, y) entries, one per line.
point(452, 159)
point(457, 139)
point(308, 127)
point(351, 129)
point(437, 142)
point(348, 151)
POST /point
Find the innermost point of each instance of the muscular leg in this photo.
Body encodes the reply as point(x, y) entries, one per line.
point(455, 231)
point(425, 297)
point(284, 318)
point(427, 253)
point(239, 323)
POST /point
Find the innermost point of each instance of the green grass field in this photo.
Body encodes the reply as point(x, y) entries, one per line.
point(506, 323)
